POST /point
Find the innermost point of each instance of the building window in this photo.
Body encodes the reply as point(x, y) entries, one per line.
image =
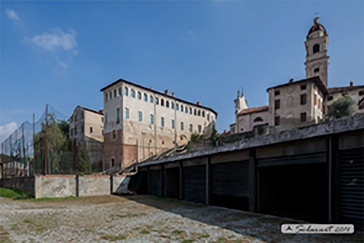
point(194, 112)
point(191, 127)
point(258, 119)
point(190, 110)
point(71, 131)
point(303, 116)
point(303, 87)
point(203, 113)
point(126, 113)
point(241, 129)
point(303, 99)
point(181, 126)
point(139, 96)
point(172, 105)
point(76, 130)
point(105, 118)
point(316, 48)
point(319, 103)
point(91, 131)
point(199, 128)
point(114, 134)
point(277, 104)
point(140, 116)
point(208, 117)
point(162, 121)
point(145, 97)
point(126, 91)
point(151, 119)
point(115, 93)
point(162, 102)
point(110, 95)
point(172, 124)
point(186, 110)
point(276, 92)
point(330, 98)
point(167, 104)
point(316, 70)
point(199, 113)
point(82, 129)
point(361, 93)
point(112, 162)
point(132, 93)
point(156, 101)
point(314, 99)
point(151, 99)
point(177, 108)
point(119, 91)
point(106, 97)
point(182, 108)
point(102, 119)
point(75, 117)
point(117, 115)
point(277, 120)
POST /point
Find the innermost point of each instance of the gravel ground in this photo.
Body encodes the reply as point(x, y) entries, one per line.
point(140, 219)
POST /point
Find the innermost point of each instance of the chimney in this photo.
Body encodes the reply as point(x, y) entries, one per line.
point(316, 20)
point(291, 80)
point(151, 88)
point(198, 103)
point(172, 94)
point(166, 91)
point(351, 83)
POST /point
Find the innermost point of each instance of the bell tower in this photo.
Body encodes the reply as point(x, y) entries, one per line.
point(316, 52)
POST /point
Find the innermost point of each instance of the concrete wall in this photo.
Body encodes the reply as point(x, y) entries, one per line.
point(72, 185)
point(22, 183)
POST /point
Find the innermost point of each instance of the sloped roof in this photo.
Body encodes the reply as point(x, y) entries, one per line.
point(254, 110)
point(345, 88)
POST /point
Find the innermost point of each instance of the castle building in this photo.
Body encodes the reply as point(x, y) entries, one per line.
point(141, 122)
point(86, 127)
point(298, 103)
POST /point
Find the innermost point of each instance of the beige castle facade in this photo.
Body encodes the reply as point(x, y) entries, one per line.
point(141, 122)
point(298, 103)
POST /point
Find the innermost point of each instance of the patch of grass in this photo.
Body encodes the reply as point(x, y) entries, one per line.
point(221, 240)
point(177, 232)
point(28, 221)
point(50, 199)
point(144, 231)
point(14, 193)
point(187, 241)
point(204, 236)
point(4, 233)
point(113, 237)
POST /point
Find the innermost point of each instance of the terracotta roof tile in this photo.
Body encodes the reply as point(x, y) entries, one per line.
point(253, 110)
point(345, 88)
point(232, 124)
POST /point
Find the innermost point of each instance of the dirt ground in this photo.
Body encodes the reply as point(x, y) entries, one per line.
point(141, 219)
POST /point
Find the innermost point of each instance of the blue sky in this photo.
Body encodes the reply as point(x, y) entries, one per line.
point(63, 53)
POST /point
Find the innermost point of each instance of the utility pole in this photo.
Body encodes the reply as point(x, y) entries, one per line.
point(46, 143)
point(34, 147)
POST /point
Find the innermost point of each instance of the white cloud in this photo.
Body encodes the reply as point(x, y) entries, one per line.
point(64, 65)
point(57, 38)
point(11, 14)
point(6, 130)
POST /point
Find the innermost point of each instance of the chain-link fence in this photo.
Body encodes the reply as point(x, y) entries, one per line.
point(44, 147)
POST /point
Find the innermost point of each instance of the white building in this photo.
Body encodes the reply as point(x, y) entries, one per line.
point(140, 122)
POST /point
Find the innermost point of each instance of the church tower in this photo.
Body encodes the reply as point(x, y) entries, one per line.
point(316, 57)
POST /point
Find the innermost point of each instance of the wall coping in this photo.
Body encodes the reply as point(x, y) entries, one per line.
point(72, 176)
point(345, 124)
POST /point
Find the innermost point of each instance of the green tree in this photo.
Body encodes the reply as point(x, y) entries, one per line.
point(83, 164)
point(195, 136)
point(344, 106)
point(214, 137)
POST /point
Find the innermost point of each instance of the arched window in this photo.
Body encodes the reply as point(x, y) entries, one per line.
point(177, 108)
point(182, 108)
point(126, 91)
point(316, 48)
point(156, 101)
point(106, 97)
point(162, 102)
point(132, 93)
point(258, 119)
point(114, 93)
point(316, 70)
point(112, 162)
point(139, 96)
point(167, 104)
point(172, 105)
point(119, 92)
point(194, 112)
point(190, 110)
point(199, 113)
point(203, 113)
point(186, 109)
point(151, 99)
point(110, 95)
point(145, 97)
point(114, 134)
